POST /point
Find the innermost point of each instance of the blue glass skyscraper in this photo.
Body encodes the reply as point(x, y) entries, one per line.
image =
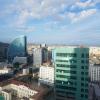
point(17, 48)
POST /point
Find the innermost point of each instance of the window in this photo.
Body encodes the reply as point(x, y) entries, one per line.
point(87, 61)
point(62, 60)
point(82, 84)
point(86, 79)
point(66, 54)
point(86, 67)
point(73, 61)
point(82, 55)
point(82, 78)
point(86, 96)
point(86, 73)
point(82, 90)
point(86, 90)
point(66, 66)
point(62, 87)
point(64, 76)
point(82, 73)
point(82, 61)
point(87, 55)
point(61, 65)
point(86, 85)
point(82, 67)
point(65, 71)
point(61, 76)
point(82, 95)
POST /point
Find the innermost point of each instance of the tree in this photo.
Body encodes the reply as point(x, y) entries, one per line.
point(16, 65)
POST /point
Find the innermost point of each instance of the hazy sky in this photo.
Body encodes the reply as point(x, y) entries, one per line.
point(51, 21)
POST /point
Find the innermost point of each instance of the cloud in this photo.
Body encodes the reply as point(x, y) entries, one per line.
point(85, 4)
point(25, 29)
point(81, 15)
point(36, 9)
point(58, 10)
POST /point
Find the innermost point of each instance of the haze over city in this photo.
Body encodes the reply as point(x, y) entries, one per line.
point(49, 49)
point(51, 21)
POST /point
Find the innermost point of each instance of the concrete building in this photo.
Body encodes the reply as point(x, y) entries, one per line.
point(37, 57)
point(23, 91)
point(94, 73)
point(30, 48)
point(18, 89)
point(46, 75)
point(5, 70)
point(25, 71)
point(6, 94)
point(44, 54)
point(21, 60)
point(3, 51)
point(71, 73)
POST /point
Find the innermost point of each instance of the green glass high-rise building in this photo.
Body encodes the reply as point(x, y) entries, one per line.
point(71, 73)
point(18, 47)
point(1, 97)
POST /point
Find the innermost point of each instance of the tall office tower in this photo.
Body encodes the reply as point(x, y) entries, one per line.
point(71, 73)
point(17, 48)
point(3, 51)
point(44, 55)
point(37, 57)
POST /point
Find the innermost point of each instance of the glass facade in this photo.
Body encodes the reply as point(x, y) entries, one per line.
point(2, 98)
point(71, 80)
point(17, 48)
point(44, 55)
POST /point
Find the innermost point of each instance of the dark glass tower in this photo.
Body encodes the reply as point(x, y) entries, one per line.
point(17, 48)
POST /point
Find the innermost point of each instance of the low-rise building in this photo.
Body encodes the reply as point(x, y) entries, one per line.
point(6, 94)
point(21, 60)
point(18, 89)
point(46, 75)
point(25, 71)
point(4, 70)
point(24, 91)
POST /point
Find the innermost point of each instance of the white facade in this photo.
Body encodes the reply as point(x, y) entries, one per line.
point(5, 71)
point(21, 60)
point(23, 91)
point(37, 56)
point(94, 73)
point(6, 94)
point(19, 90)
point(46, 75)
point(25, 71)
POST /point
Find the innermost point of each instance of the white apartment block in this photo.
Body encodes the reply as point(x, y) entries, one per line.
point(5, 70)
point(46, 75)
point(94, 73)
point(19, 89)
point(37, 56)
point(6, 94)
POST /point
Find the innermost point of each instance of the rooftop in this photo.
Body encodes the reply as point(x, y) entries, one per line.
point(8, 91)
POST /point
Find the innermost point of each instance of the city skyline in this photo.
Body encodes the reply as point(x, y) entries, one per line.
point(51, 21)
